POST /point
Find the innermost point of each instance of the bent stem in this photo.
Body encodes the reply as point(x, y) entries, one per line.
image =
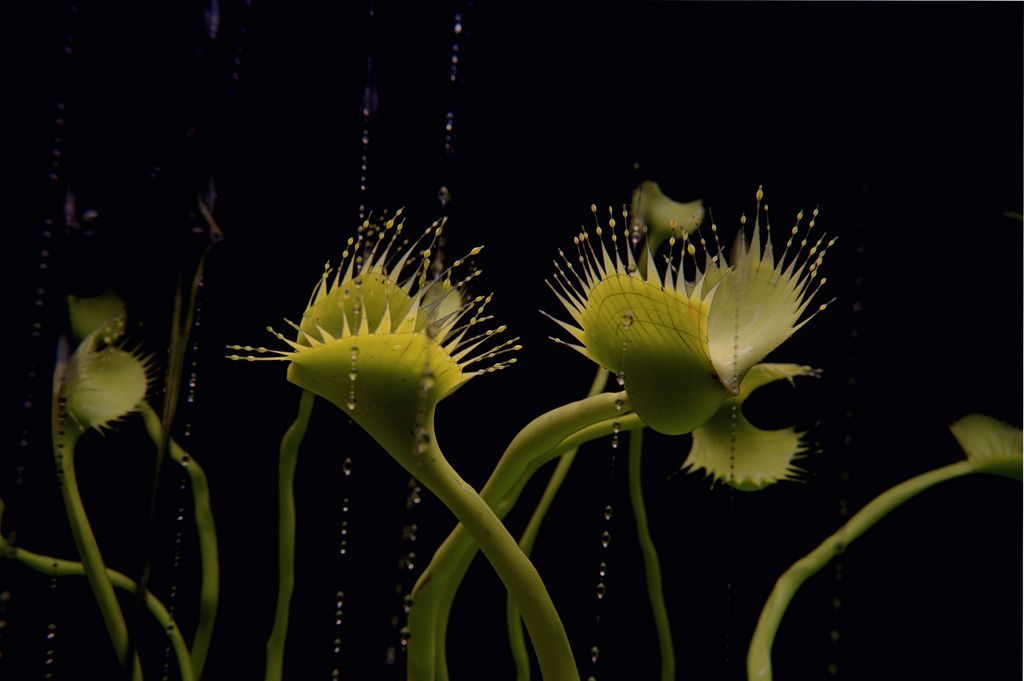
point(65, 437)
point(209, 591)
point(516, 640)
point(759, 656)
point(289, 455)
point(629, 423)
point(520, 577)
point(526, 451)
point(652, 570)
point(55, 567)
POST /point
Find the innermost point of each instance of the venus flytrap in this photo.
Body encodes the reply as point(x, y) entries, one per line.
point(653, 331)
point(370, 343)
point(681, 346)
point(991, 447)
point(99, 385)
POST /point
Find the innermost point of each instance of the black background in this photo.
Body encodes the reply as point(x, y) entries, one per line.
point(902, 121)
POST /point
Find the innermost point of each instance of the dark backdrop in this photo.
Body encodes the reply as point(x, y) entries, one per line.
point(901, 121)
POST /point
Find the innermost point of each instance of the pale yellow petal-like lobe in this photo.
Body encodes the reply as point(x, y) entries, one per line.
point(991, 446)
point(662, 215)
point(656, 340)
point(89, 313)
point(757, 307)
point(729, 448)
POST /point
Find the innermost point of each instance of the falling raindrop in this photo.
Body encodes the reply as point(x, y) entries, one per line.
point(212, 16)
point(594, 653)
point(606, 538)
point(444, 195)
point(353, 374)
point(620, 378)
point(5, 599)
point(608, 512)
point(346, 466)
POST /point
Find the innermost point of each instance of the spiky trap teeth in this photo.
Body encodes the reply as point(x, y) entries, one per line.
point(682, 335)
point(383, 339)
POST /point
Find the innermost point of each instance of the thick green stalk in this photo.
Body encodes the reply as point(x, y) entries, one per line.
point(65, 437)
point(516, 640)
point(520, 577)
point(652, 569)
point(628, 423)
point(464, 552)
point(759, 656)
point(56, 567)
point(209, 590)
point(538, 438)
point(289, 455)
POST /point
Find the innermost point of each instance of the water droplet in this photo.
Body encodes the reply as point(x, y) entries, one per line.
point(600, 591)
point(594, 652)
point(414, 498)
point(606, 538)
point(389, 657)
point(608, 512)
point(404, 635)
point(346, 466)
point(618, 405)
point(444, 195)
point(834, 635)
point(602, 569)
point(620, 378)
point(627, 320)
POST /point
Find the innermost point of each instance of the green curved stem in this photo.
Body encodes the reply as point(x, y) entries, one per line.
point(55, 567)
point(65, 437)
point(209, 591)
point(516, 640)
point(289, 455)
point(652, 569)
point(521, 579)
point(536, 440)
point(759, 655)
point(628, 423)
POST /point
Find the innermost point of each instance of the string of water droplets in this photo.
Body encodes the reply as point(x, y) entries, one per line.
point(846, 452)
point(730, 491)
point(36, 349)
point(182, 491)
point(444, 193)
point(367, 110)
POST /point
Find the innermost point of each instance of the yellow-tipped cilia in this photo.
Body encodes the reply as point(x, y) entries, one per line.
point(682, 345)
point(383, 341)
point(731, 449)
